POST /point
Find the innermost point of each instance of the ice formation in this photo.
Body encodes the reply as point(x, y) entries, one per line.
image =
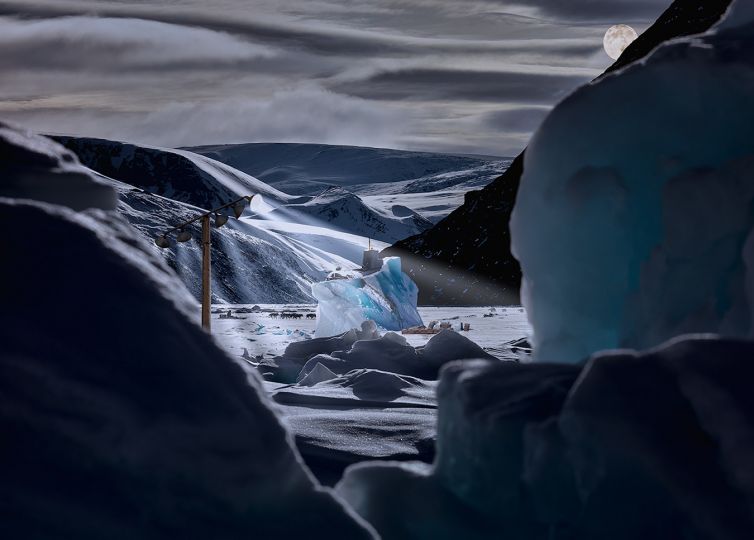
point(387, 297)
point(634, 221)
point(121, 417)
point(652, 445)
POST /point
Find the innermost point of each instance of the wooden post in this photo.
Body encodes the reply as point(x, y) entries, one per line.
point(206, 287)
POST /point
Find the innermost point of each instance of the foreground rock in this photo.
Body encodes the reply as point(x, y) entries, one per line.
point(120, 417)
point(655, 445)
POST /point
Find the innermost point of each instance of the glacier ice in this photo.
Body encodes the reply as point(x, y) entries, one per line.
point(637, 200)
point(387, 297)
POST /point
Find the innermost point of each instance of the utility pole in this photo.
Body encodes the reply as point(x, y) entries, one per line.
point(184, 235)
point(206, 283)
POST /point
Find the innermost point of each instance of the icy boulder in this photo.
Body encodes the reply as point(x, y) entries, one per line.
point(634, 221)
point(286, 368)
point(387, 297)
point(121, 417)
point(392, 353)
point(651, 445)
point(34, 167)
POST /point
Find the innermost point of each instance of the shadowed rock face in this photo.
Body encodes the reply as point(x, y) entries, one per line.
point(465, 259)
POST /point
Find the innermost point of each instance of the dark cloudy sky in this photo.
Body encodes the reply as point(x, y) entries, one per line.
point(446, 75)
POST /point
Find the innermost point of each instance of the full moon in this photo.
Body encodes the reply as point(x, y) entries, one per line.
point(617, 38)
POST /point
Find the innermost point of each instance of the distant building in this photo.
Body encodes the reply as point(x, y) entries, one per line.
point(371, 261)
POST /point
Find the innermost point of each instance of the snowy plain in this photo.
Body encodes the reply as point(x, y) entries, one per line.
point(262, 335)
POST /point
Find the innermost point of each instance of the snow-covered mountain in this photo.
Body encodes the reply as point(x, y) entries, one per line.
point(432, 185)
point(184, 176)
point(175, 174)
point(269, 258)
point(345, 211)
point(310, 168)
point(253, 261)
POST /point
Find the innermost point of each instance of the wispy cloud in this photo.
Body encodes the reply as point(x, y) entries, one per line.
point(427, 74)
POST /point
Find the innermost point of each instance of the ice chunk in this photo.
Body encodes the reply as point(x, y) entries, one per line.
point(651, 445)
point(387, 297)
point(317, 375)
point(628, 234)
point(392, 353)
point(286, 368)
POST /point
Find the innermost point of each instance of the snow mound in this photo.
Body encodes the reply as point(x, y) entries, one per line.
point(363, 414)
point(319, 374)
point(287, 368)
point(449, 345)
point(651, 445)
point(629, 237)
point(37, 168)
point(392, 353)
point(387, 297)
point(388, 353)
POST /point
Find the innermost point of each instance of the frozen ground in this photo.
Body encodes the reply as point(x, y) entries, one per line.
point(260, 334)
point(378, 406)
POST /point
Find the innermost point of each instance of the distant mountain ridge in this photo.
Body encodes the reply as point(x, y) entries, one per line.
point(199, 180)
point(302, 168)
point(465, 259)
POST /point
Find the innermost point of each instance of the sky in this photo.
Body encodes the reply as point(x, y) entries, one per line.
point(463, 76)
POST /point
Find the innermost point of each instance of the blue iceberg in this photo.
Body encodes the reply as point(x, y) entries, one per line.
point(387, 297)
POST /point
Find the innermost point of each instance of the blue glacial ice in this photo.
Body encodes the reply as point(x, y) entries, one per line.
point(387, 297)
point(632, 235)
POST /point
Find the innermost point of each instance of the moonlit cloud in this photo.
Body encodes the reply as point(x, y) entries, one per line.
point(450, 75)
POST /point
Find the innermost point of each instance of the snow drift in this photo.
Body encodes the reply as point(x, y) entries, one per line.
point(120, 417)
point(33, 167)
point(630, 236)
